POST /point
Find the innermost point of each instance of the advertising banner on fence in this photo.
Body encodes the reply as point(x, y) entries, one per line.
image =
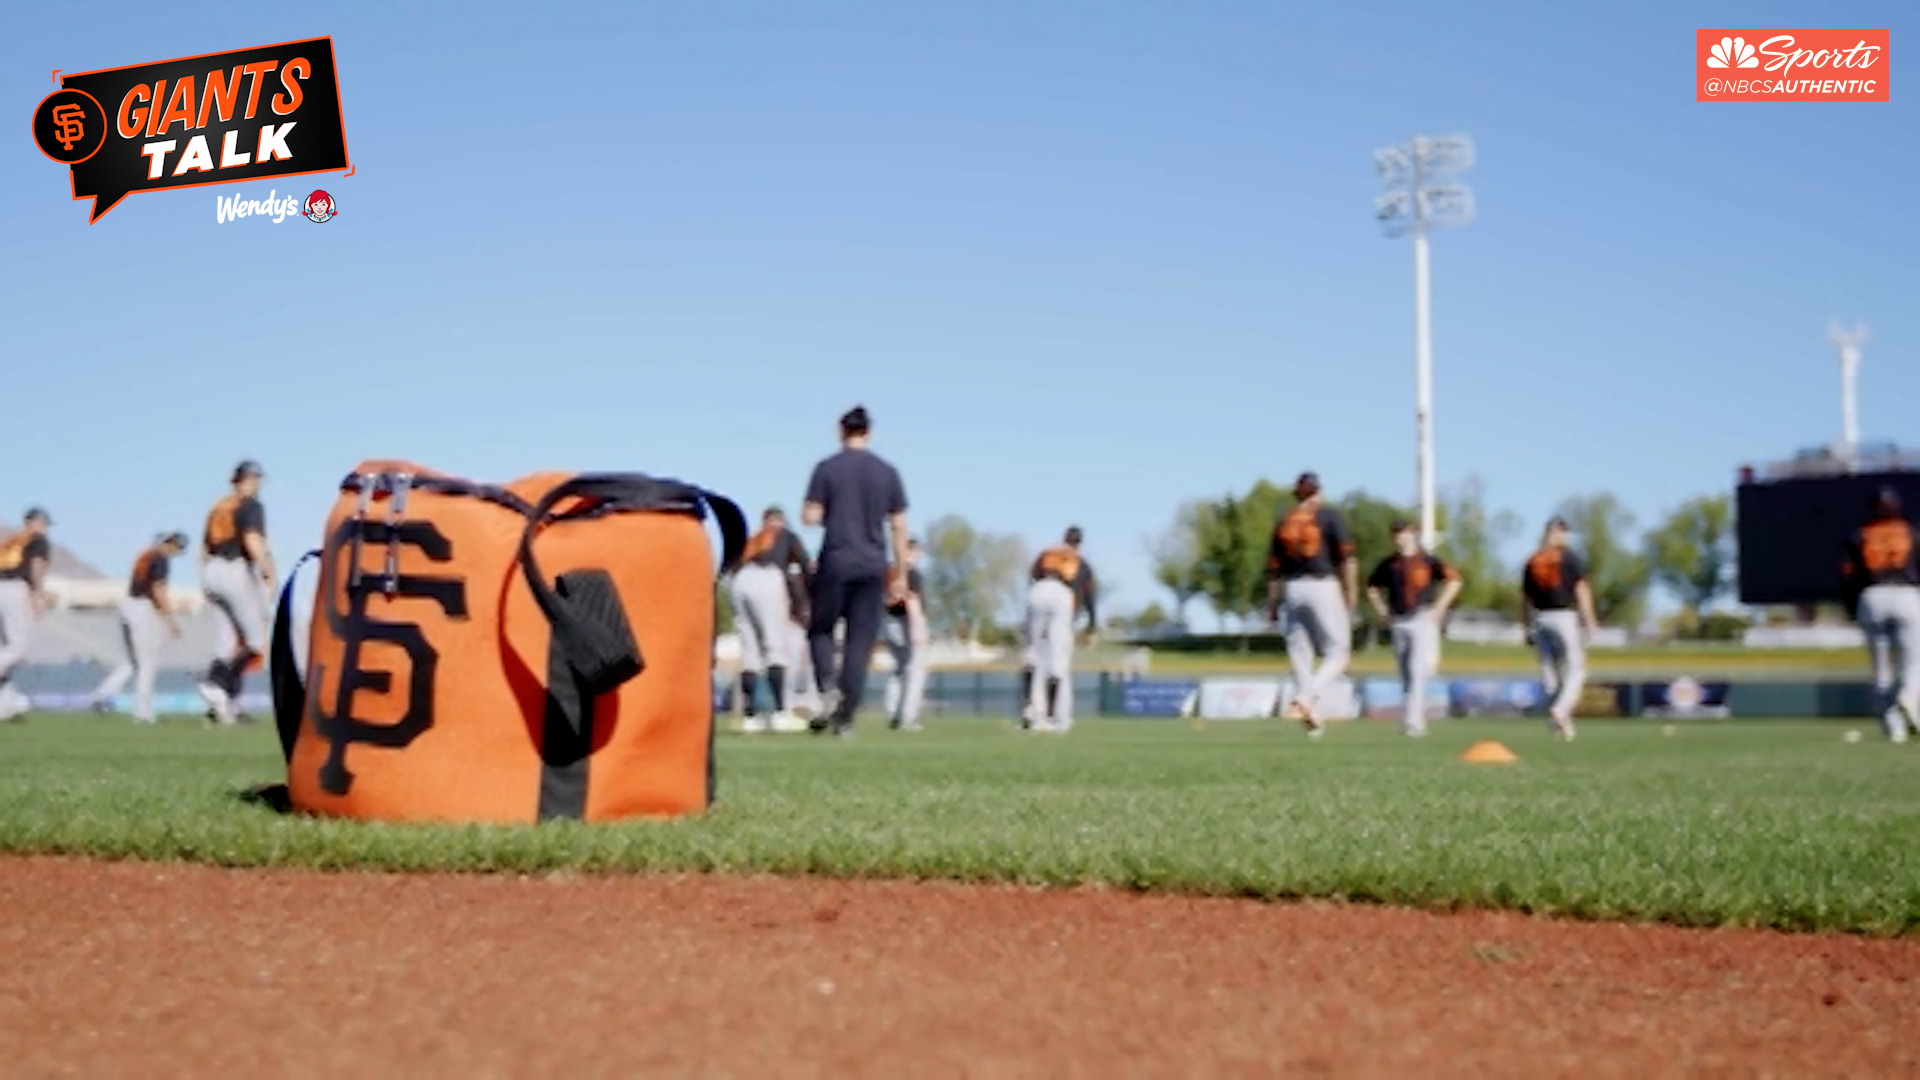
point(1497, 697)
point(256, 704)
point(1159, 697)
point(1340, 702)
point(1238, 699)
point(1685, 698)
point(1600, 700)
point(1385, 699)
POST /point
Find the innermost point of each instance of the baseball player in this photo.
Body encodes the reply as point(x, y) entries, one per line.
point(1557, 605)
point(856, 496)
point(1310, 546)
point(1883, 581)
point(23, 573)
point(763, 612)
point(905, 632)
point(1062, 586)
point(144, 614)
point(236, 570)
point(1411, 591)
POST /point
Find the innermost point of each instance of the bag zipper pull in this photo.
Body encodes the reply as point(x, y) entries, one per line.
point(396, 512)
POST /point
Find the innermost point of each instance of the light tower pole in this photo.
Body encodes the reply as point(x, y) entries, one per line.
point(1419, 198)
point(1847, 343)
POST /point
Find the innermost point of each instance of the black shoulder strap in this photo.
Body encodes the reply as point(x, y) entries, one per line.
point(601, 654)
point(289, 687)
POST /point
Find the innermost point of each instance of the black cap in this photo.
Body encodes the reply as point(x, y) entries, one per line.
point(1558, 522)
point(38, 512)
point(1074, 535)
point(177, 539)
point(1399, 526)
point(247, 468)
point(1307, 486)
point(1886, 501)
point(856, 421)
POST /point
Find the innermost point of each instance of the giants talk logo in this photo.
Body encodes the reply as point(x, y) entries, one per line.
point(222, 118)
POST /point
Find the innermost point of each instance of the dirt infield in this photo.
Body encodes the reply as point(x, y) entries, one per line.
point(117, 968)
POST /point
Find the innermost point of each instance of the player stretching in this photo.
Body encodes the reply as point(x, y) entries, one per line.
point(1062, 585)
point(143, 615)
point(1558, 609)
point(236, 569)
point(906, 637)
point(1884, 584)
point(855, 495)
point(1411, 590)
point(23, 571)
point(763, 614)
point(1310, 545)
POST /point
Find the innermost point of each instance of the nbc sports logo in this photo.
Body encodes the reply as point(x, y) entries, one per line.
point(1732, 53)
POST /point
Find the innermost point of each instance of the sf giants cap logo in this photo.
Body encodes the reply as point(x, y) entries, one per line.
point(320, 207)
point(342, 581)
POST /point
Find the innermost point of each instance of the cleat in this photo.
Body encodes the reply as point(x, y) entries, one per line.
point(753, 725)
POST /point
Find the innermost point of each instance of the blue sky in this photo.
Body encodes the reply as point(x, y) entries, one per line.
point(1081, 260)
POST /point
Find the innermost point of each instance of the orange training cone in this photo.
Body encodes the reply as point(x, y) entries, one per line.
point(1488, 752)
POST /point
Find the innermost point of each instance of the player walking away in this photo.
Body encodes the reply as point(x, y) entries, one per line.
point(1310, 547)
point(1884, 583)
point(854, 494)
point(1062, 586)
point(236, 569)
point(906, 637)
point(144, 614)
point(23, 573)
point(1411, 591)
point(1558, 607)
point(763, 613)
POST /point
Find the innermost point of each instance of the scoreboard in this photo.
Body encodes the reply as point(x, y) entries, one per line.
point(1793, 532)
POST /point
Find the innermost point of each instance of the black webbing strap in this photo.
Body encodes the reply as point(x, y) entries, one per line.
point(283, 672)
point(583, 627)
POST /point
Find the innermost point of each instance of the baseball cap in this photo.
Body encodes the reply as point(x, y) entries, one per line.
point(1558, 522)
point(38, 512)
point(856, 421)
point(1400, 525)
point(247, 468)
point(177, 539)
point(1074, 535)
point(772, 511)
point(1886, 499)
point(1307, 486)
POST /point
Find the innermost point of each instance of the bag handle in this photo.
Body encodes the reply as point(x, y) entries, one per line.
point(289, 687)
point(598, 648)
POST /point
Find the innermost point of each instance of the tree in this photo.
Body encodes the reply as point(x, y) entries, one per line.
point(971, 576)
point(1692, 552)
point(1151, 617)
point(1176, 556)
point(1617, 572)
point(1472, 539)
point(1234, 532)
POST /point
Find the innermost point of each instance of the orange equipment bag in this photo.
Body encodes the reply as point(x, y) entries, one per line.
point(481, 653)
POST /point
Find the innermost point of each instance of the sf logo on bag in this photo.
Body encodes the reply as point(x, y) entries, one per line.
point(354, 627)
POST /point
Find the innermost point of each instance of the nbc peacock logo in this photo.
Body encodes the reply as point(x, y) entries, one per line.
point(1734, 52)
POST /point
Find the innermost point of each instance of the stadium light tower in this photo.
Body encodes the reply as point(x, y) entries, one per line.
point(1420, 197)
point(1847, 343)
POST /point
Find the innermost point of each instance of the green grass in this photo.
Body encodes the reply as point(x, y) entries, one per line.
point(1776, 824)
